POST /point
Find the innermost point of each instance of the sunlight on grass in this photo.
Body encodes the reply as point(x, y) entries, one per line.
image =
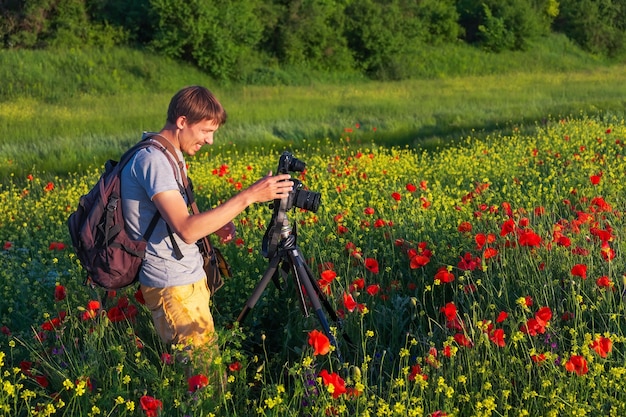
point(484, 279)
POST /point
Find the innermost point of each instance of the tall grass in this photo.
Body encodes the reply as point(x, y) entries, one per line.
point(483, 279)
point(62, 111)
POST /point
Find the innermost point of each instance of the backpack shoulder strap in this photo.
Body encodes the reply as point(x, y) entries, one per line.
point(205, 244)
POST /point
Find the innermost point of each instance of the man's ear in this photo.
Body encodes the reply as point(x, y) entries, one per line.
point(181, 122)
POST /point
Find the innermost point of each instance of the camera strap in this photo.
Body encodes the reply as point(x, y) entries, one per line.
point(187, 186)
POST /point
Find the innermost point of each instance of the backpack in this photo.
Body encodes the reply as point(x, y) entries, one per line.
point(110, 256)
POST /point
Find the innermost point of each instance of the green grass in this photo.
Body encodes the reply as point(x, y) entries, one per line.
point(62, 111)
point(500, 335)
point(477, 143)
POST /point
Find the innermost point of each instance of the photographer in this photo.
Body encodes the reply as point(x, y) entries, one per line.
point(175, 288)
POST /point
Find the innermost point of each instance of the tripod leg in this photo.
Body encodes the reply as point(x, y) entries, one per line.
point(329, 309)
point(258, 290)
point(300, 270)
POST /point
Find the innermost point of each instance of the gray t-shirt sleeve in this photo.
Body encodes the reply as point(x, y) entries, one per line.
point(148, 173)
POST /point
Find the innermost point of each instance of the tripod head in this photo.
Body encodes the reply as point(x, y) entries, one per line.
point(279, 228)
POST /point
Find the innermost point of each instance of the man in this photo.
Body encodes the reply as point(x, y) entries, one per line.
point(174, 288)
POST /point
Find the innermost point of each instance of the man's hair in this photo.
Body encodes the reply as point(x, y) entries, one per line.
point(196, 103)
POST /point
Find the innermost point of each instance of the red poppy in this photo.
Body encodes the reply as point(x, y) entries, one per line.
point(139, 297)
point(167, 358)
point(150, 405)
point(507, 208)
point(497, 337)
point(578, 364)
point(93, 305)
point(604, 282)
point(529, 238)
point(42, 381)
point(600, 204)
point(7, 245)
point(443, 275)
point(602, 345)
point(416, 371)
point(502, 316)
point(507, 227)
point(197, 381)
point(396, 196)
point(544, 315)
point(56, 246)
point(608, 253)
point(349, 302)
point(369, 211)
point(580, 270)
point(463, 340)
point(59, 293)
point(319, 342)
point(563, 241)
point(334, 380)
point(449, 310)
point(538, 358)
point(595, 179)
point(469, 263)
point(115, 314)
point(379, 223)
point(357, 284)
point(371, 265)
point(49, 187)
point(464, 227)
point(411, 188)
point(328, 276)
point(418, 261)
point(235, 366)
point(373, 289)
point(605, 235)
point(490, 253)
point(533, 327)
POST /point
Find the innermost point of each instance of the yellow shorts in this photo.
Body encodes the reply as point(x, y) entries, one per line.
point(181, 314)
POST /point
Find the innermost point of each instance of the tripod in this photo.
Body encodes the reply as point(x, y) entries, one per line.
point(284, 250)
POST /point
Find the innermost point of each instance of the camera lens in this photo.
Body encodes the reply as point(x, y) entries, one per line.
point(296, 165)
point(307, 200)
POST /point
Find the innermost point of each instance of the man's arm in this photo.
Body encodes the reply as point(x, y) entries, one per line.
point(191, 227)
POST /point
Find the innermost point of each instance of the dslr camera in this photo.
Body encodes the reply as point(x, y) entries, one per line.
point(298, 197)
point(279, 233)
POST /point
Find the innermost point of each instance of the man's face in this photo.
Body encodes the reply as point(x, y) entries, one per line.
point(193, 136)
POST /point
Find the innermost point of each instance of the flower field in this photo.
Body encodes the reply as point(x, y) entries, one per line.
point(483, 279)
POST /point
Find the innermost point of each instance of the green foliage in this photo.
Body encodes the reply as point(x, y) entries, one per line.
point(218, 37)
point(498, 26)
point(449, 305)
point(311, 35)
point(47, 23)
point(133, 16)
point(598, 26)
point(266, 42)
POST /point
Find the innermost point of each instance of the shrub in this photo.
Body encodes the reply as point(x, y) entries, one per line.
point(498, 26)
point(219, 38)
point(598, 26)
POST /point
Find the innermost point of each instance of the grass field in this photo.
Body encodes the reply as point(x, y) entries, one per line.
point(483, 279)
point(63, 111)
point(470, 239)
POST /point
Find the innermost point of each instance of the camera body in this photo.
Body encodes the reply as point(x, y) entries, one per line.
point(298, 197)
point(279, 230)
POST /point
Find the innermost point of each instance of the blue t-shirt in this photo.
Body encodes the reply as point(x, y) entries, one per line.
point(148, 173)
